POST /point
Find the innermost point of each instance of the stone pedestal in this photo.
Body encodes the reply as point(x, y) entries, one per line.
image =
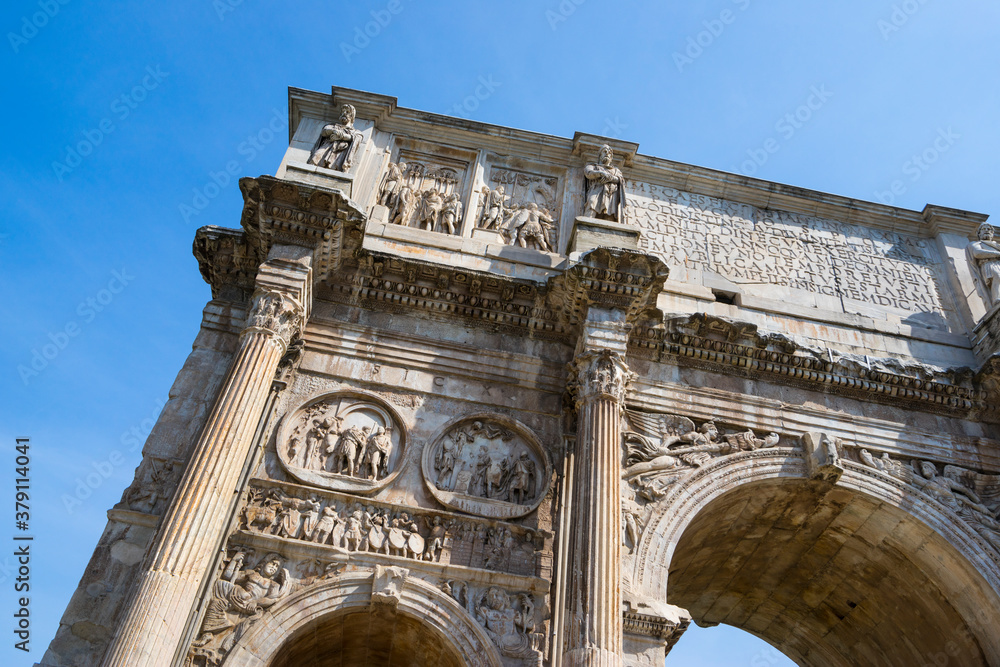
point(590, 233)
point(159, 608)
point(594, 622)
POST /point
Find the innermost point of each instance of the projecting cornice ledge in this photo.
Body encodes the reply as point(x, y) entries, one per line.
point(739, 348)
point(282, 212)
point(279, 211)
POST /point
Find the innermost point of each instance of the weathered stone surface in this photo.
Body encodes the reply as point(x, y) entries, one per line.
point(509, 399)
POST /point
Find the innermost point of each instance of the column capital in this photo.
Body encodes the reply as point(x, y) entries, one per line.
point(599, 374)
point(275, 314)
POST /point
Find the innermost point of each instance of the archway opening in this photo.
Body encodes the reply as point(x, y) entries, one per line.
point(363, 639)
point(831, 576)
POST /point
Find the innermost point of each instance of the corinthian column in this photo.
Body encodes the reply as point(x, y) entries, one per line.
point(189, 536)
point(594, 622)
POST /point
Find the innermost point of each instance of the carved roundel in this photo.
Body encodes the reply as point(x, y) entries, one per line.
point(487, 465)
point(345, 442)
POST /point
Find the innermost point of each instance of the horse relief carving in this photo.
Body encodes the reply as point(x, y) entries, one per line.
point(346, 443)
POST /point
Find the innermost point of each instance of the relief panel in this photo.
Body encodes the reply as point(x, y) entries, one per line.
point(343, 442)
point(487, 466)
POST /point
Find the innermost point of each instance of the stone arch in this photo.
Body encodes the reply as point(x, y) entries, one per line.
point(863, 571)
point(421, 608)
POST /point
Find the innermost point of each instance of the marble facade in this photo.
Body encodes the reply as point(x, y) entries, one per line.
point(467, 395)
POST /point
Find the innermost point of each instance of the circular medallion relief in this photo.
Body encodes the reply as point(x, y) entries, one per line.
point(488, 466)
point(343, 442)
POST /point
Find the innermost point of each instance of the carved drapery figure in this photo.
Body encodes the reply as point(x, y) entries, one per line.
point(338, 143)
point(973, 496)
point(377, 452)
point(431, 204)
point(493, 207)
point(509, 625)
point(243, 594)
point(984, 259)
point(405, 201)
point(605, 188)
point(451, 213)
point(392, 181)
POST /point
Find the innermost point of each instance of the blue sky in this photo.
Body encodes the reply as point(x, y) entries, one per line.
point(887, 100)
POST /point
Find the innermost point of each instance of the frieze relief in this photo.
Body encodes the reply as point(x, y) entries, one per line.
point(972, 495)
point(425, 192)
point(347, 442)
point(351, 525)
point(660, 449)
point(522, 207)
point(487, 467)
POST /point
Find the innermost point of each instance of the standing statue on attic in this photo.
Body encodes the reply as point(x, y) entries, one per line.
point(338, 143)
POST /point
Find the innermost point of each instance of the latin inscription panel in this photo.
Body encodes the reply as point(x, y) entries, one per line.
point(753, 246)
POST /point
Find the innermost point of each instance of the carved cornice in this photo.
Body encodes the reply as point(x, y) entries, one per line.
point(655, 626)
point(278, 211)
point(227, 262)
point(492, 302)
point(738, 348)
point(609, 278)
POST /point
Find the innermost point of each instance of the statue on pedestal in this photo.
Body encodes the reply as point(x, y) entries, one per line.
point(605, 188)
point(984, 260)
point(339, 143)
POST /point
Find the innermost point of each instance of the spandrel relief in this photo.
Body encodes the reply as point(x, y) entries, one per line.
point(487, 467)
point(661, 448)
point(342, 442)
point(425, 192)
point(521, 207)
point(973, 496)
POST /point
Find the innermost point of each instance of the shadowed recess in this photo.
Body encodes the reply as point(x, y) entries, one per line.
point(363, 639)
point(831, 577)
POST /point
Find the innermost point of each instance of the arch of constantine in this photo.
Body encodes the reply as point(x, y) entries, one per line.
point(470, 395)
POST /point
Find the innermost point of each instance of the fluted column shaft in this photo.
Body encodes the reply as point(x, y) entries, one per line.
point(191, 530)
point(594, 619)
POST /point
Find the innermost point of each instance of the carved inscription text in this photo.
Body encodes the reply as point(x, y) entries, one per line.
point(749, 245)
